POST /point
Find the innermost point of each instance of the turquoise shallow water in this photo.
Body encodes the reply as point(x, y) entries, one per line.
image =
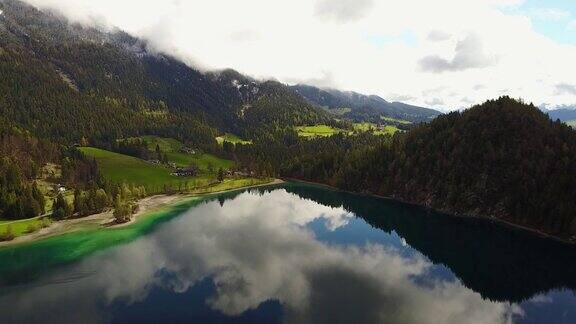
point(294, 254)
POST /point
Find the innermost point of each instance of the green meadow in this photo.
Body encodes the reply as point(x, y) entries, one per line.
point(232, 139)
point(316, 131)
point(325, 130)
point(24, 226)
point(165, 144)
point(154, 177)
point(205, 162)
point(394, 120)
point(376, 129)
point(123, 168)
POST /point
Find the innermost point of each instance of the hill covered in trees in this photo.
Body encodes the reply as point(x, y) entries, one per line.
point(66, 81)
point(503, 159)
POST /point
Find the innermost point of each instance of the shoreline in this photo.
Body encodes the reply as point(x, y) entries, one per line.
point(105, 220)
point(148, 205)
point(498, 221)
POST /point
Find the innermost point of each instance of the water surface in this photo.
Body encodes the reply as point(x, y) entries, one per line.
point(292, 254)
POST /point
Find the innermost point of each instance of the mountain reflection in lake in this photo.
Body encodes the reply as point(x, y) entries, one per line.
point(300, 254)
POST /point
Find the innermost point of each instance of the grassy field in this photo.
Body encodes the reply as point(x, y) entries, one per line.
point(376, 129)
point(24, 226)
point(394, 120)
point(154, 177)
point(172, 148)
point(324, 130)
point(204, 161)
point(364, 127)
point(387, 130)
point(166, 144)
point(123, 168)
point(316, 130)
point(232, 139)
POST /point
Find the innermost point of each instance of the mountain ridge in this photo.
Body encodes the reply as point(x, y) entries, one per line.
point(117, 68)
point(363, 107)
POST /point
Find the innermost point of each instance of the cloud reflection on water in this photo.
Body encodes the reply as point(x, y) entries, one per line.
point(257, 248)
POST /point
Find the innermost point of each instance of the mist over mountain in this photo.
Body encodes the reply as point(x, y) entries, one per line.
point(360, 107)
point(92, 74)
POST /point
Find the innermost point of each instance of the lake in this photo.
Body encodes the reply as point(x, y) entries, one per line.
point(292, 253)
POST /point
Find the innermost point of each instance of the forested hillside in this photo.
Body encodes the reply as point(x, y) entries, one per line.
point(502, 159)
point(109, 85)
point(66, 84)
point(22, 161)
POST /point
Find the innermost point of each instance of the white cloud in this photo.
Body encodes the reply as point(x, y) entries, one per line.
point(563, 88)
point(343, 10)
point(438, 36)
point(469, 54)
point(322, 40)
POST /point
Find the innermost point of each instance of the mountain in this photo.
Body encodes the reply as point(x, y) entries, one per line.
point(361, 107)
point(500, 160)
point(564, 114)
point(66, 81)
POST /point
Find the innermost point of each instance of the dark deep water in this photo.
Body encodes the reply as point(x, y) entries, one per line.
point(300, 254)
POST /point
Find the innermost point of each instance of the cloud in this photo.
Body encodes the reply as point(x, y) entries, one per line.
point(325, 80)
point(565, 89)
point(343, 11)
point(400, 97)
point(254, 256)
point(327, 43)
point(438, 36)
point(435, 102)
point(245, 35)
point(469, 54)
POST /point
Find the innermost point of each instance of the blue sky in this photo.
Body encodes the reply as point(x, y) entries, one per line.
point(555, 19)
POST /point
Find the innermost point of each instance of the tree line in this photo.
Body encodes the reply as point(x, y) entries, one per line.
point(503, 159)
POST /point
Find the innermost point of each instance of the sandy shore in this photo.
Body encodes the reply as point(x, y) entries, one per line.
point(106, 219)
